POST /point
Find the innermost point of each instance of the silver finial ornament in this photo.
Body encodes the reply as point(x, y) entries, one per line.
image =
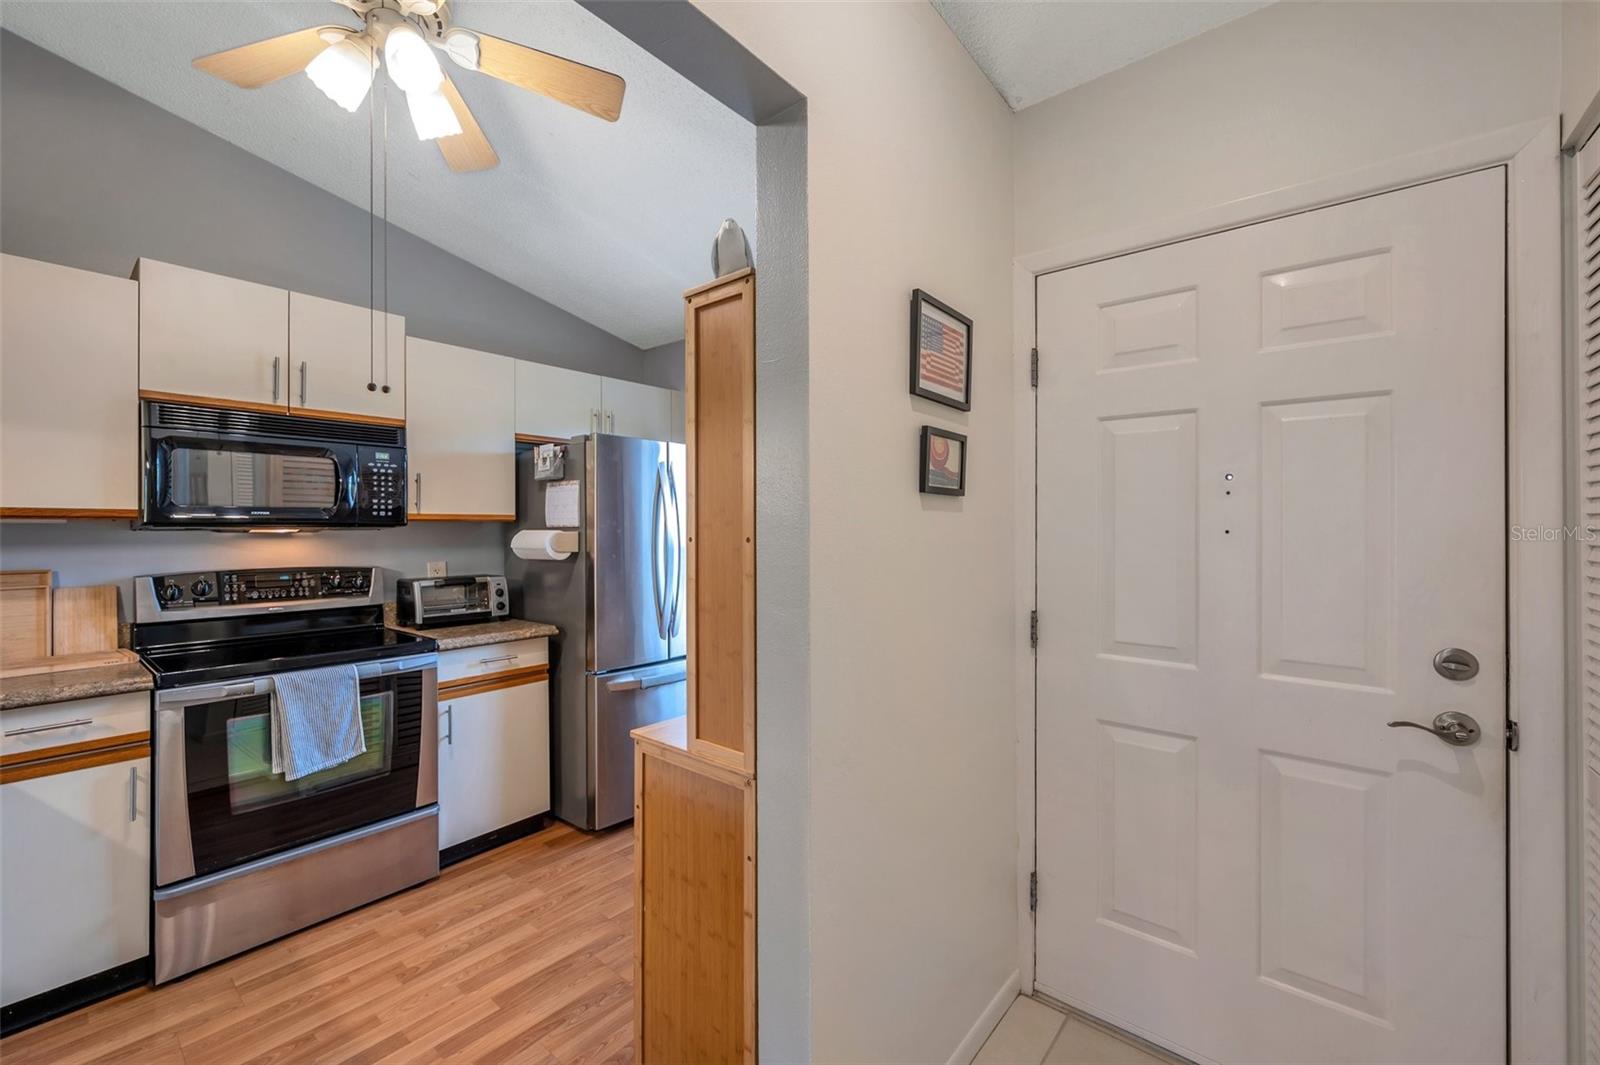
point(730, 251)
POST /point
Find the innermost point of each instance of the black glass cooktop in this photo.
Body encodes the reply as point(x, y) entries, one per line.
point(186, 653)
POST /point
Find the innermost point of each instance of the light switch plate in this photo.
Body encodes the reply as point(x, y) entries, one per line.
point(436, 569)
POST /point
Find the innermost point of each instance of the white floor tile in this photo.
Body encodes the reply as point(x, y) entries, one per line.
point(1083, 1044)
point(1023, 1035)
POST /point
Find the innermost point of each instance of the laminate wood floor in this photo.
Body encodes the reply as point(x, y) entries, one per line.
point(523, 954)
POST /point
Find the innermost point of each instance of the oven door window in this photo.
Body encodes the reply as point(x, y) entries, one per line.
point(240, 810)
point(251, 782)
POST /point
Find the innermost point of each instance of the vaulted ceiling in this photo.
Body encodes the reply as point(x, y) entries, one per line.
point(609, 221)
point(1034, 50)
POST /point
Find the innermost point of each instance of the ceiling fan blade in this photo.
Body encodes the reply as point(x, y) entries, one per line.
point(468, 150)
point(599, 92)
point(251, 66)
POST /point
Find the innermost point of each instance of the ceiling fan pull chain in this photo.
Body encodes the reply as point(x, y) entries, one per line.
point(372, 240)
point(386, 230)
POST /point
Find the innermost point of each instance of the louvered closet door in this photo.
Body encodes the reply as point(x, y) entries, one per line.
point(1271, 487)
point(1586, 259)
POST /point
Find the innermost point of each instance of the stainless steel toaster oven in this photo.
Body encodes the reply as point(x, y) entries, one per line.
point(424, 601)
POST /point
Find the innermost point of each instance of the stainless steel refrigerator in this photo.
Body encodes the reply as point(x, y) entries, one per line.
point(619, 601)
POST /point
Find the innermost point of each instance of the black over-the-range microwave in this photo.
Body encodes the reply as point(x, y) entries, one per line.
point(213, 468)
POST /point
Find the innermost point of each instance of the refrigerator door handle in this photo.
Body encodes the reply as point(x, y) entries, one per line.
point(676, 519)
point(657, 508)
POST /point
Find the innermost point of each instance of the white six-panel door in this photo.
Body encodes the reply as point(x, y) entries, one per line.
point(1271, 488)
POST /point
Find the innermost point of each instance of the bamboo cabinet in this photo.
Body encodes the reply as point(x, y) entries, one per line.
point(694, 777)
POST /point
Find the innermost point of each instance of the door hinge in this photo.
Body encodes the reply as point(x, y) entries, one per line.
point(1033, 367)
point(1033, 891)
point(1033, 629)
point(1513, 735)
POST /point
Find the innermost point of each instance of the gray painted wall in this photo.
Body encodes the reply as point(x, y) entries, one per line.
point(95, 177)
point(783, 584)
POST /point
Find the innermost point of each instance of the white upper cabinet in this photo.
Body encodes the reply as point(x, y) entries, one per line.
point(69, 368)
point(460, 432)
point(556, 402)
point(677, 433)
point(636, 410)
point(336, 350)
point(212, 337)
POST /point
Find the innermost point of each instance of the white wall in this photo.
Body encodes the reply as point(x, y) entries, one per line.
point(1294, 92)
point(1580, 60)
point(912, 827)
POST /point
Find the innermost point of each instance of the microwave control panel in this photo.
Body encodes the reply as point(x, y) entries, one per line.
point(249, 587)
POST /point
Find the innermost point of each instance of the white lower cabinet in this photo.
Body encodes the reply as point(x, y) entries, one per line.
point(494, 760)
point(75, 876)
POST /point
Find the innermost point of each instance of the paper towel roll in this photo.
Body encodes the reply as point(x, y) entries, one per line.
point(544, 545)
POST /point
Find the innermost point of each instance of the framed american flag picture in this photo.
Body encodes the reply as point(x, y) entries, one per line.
point(941, 352)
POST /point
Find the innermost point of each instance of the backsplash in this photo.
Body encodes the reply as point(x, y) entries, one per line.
point(98, 552)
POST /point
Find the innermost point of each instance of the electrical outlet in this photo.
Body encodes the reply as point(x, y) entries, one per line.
point(436, 569)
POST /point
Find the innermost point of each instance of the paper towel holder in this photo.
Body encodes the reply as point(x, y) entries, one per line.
point(545, 545)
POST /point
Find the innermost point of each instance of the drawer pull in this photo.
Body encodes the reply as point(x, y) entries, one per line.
point(491, 661)
point(49, 728)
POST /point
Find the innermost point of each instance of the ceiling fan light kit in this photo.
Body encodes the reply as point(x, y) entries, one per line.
point(341, 63)
point(432, 115)
point(343, 71)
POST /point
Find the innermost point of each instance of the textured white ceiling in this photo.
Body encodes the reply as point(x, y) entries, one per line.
point(609, 221)
point(1033, 50)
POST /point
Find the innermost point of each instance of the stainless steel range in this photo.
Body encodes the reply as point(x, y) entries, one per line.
point(244, 856)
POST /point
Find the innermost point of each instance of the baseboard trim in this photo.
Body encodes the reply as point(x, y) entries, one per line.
point(973, 1042)
point(471, 848)
point(48, 1005)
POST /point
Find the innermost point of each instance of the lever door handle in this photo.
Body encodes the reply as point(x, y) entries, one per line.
point(1452, 726)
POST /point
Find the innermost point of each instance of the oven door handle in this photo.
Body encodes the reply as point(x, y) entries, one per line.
point(177, 698)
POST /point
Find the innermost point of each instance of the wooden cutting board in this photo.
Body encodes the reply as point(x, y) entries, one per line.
point(62, 663)
point(25, 614)
point(84, 620)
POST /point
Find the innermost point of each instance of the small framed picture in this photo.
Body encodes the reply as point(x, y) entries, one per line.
point(941, 352)
point(943, 469)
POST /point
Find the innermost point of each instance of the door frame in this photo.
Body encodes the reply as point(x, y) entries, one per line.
point(1538, 917)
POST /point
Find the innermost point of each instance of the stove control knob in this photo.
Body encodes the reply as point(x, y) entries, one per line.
point(171, 592)
point(201, 588)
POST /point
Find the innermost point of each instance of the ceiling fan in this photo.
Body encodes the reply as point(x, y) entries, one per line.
point(342, 61)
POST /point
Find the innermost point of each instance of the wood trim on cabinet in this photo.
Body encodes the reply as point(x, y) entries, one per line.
point(462, 687)
point(62, 750)
point(535, 438)
point(719, 423)
point(689, 805)
point(49, 767)
point(725, 279)
point(84, 513)
point(212, 401)
point(342, 416)
point(461, 517)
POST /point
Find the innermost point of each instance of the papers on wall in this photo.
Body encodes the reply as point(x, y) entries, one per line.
point(561, 502)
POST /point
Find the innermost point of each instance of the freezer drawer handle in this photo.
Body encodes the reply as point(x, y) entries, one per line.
point(636, 682)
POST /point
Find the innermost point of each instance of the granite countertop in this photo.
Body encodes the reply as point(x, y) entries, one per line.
point(454, 637)
point(70, 684)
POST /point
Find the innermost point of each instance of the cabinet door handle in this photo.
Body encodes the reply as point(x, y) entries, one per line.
point(49, 728)
point(133, 793)
point(491, 661)
point(302, 382)
point(450, 725)
point(611, 421)
point(277, 361)
point(418, 500)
